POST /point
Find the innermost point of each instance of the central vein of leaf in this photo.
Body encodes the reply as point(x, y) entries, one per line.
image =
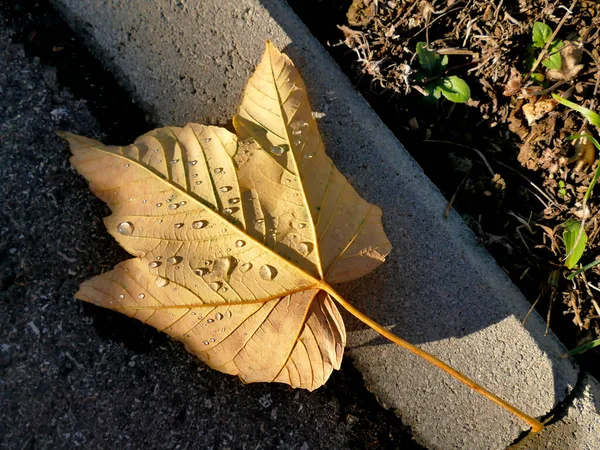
point(286, 122)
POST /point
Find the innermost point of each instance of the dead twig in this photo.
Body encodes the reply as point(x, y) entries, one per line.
point(451, 202)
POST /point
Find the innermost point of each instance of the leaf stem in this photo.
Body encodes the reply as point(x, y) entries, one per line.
point(535, 424)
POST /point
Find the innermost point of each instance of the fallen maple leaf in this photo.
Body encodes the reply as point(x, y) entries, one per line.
point(237, 239)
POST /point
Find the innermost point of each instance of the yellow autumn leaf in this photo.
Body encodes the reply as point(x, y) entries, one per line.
point(236, 238)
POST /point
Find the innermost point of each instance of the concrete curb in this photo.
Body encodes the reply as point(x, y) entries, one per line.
point(188, 61)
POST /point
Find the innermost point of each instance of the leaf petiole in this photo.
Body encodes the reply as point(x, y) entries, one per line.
point(536, 425)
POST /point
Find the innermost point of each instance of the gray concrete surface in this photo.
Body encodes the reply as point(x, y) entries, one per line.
point(577, 428)
point(189, 60)
point(77, 376)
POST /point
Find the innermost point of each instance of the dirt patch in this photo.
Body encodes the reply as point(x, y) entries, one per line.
point(502, 158)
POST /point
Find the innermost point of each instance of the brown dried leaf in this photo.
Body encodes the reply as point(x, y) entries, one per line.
point(236, 241)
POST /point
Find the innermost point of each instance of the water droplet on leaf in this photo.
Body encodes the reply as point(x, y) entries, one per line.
point(161, 282)
point(267, 272)
point(240, 243)
point(215, 286)
point(277, 150)
point(125, 228)
point(304, 248)
point(199, 224)
point(174, 259)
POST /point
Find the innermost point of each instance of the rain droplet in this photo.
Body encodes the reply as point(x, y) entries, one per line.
point(234, 200)
point(225, 188)
point(208, 262)
point(206, 343)
point(142, 295)
point(144, 201)
point(259, 221)
point(160, 221)
point(155, 150)
point(182, 203)
point(174, 206)
point(301, 225)
point(267, 272)
point(210, 320)
point(192, 163)
point(121, 296)
point(158, 205)
point(227, 210)
point(215, 286)
point(304, 248)
point(302, 124)
point(218, 170)
point(201, 271)
point(125, 228)
point(277, 150)
point(218, 316)
point(208, 140)
point(308, 156)
point(174, 161)
point(160, 282)
point(228, 314)
point(127, 165)
point(178, 226)
point(245, 267)
point(159, 258)
point(174, 259)
point(199, 224)
point(240, 243)
point(198, 183)
point(297, 132)
point(153, 265)
point(213, 340)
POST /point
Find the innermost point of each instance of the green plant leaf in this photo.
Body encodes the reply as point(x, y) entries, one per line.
point(583, 269)
point(575, 240)
point(554, 59)
point(431, 62)
point(541, 34)
point(434, 92)
point(590, 115)
point(582, 348)
point(537, 77)
point(455, 89)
